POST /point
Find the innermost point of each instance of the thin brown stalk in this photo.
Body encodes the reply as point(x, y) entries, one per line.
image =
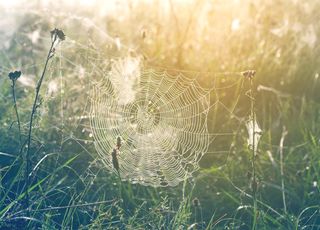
point(254, 180)
point(283, 136)
point(16, 107)
point(33, 111)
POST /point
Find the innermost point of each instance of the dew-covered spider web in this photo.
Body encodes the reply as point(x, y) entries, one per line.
point(162, 123)
point(160, 119)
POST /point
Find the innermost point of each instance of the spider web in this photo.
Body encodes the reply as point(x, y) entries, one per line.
point(163, 125)
point(166, 119)
point(161, 119)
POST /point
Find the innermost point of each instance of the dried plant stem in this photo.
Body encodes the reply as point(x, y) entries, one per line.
point(253, 160)
point(283, 136)
point(16, 108)
point(34, 108)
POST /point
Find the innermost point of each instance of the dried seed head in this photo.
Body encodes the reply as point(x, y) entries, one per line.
point(14, 75)
point(248, 73)
point(56, 33)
